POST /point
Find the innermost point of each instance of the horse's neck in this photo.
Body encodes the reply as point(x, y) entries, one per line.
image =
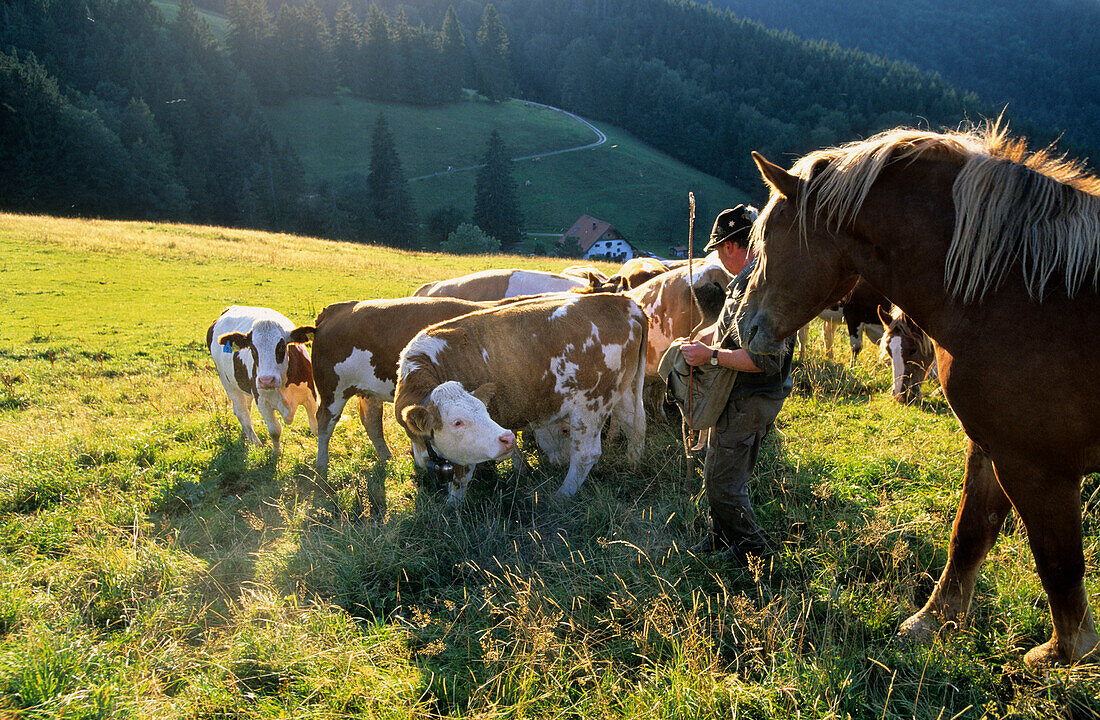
point(904, 229)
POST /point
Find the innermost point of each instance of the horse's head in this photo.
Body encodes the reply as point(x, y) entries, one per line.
point(911, 354)
point(801, 270)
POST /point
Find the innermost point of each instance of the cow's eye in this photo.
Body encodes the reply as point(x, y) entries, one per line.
point(280, 351)
point(457, 423)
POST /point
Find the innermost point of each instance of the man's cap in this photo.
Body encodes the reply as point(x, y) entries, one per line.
point(731, 224)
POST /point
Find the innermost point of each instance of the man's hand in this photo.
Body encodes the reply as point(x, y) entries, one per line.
point(696, 353)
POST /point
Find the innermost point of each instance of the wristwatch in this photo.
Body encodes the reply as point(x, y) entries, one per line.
point(714, 357)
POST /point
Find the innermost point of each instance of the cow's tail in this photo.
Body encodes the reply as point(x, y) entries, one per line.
point(636, 440)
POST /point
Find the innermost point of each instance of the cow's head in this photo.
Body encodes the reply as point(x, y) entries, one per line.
point(268, 343)
point(457, 424)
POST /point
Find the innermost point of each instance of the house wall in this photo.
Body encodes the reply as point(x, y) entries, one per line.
point(610, 247)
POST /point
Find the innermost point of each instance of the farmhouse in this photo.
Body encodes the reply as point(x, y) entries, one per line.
point(598, 239)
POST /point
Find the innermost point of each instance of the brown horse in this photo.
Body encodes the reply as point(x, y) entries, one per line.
point(911, 354)
point(995, 253)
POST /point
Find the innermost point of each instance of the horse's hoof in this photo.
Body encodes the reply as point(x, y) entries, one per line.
point(920, 628)
point(1045, 656)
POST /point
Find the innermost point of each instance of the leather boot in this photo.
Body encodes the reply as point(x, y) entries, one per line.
point(739, 531)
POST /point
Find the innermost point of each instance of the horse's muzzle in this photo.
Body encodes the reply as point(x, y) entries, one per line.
point(757, 335)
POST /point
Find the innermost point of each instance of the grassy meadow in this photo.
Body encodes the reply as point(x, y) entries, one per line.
point(153, 565)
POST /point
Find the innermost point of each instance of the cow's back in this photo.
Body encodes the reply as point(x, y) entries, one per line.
point(499, 284)
point(378, 327)
point(536, 352)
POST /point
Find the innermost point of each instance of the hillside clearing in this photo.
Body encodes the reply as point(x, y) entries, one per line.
point(332, 136)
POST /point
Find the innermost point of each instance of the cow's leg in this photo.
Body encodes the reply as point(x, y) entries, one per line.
point(1050, 507)
point(242, 408)
point(803, 341)
point(456, 489)
point(288, 405)
point(982, 511)
point(271, 418)
point(328, 414)
point(828, 329)
point(855, 337)
point(584, 452)
point(309, 399)
point(370, 414)
point(629, 419)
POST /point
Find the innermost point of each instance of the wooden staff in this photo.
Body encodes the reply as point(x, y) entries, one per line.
point(688, 429)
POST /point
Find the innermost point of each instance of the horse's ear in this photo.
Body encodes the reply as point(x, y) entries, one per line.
point(779, 179)
point(884, 319)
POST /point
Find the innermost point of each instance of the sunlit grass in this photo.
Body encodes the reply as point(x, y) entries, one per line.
point(153, 565)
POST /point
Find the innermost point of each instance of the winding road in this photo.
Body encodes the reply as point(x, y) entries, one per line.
point(600, 140)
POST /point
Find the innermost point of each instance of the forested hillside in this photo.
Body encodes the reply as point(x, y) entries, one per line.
point(1037, 56)
point(110, 108)
point(699, 84)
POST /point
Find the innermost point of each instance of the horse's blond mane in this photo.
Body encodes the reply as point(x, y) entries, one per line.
point(1010, 204)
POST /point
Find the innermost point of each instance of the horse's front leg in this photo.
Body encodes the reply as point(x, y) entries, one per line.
point(982, 511)
point(1050, 507)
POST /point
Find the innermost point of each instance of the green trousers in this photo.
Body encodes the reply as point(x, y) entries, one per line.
point(731, 455)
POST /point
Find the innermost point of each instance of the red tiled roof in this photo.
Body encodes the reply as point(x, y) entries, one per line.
point(588, 230)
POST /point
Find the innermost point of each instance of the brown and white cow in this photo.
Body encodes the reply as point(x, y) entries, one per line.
point(259, 356)
point(557, 365)
point(632, 274)
point(589, 273)
point(355, 350)
point(668, 303)
point(500, 284)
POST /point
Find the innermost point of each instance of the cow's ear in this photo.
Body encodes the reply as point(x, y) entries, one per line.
point(302, 334)
point(236, 340)
point(485, 393)
point(422, 420)
point(776, 177)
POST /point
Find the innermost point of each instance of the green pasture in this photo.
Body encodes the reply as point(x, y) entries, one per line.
point(153, 565)
point(639, 190)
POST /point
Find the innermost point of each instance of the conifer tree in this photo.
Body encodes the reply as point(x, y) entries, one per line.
point(379, 57)
point(494, 76)
point(191, 30)
point(454, 57)
point(249, 41)
point(346, 46)
point(496, 205)
point(388, 190)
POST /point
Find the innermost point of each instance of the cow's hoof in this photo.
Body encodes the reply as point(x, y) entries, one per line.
point(1045, 656)
point(921, 628)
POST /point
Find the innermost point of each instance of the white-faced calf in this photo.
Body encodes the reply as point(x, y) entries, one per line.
point(259, 356)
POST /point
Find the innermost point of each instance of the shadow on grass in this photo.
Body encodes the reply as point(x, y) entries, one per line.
point(518, 585)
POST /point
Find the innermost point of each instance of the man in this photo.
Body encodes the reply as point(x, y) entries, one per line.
point(763, 383)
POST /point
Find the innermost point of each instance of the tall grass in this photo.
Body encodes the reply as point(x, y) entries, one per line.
point(153, 565)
